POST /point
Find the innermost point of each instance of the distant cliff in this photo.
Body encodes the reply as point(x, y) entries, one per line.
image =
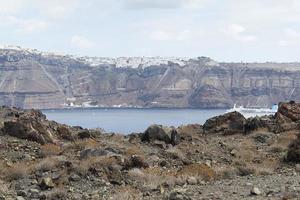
point(33, 79)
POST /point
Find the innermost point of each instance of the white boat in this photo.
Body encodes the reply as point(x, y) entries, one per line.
point(254, 111)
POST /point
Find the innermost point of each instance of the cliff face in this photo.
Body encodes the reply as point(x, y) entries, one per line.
point(31, 79)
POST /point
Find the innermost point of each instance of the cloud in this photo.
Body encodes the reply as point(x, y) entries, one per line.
point(11, 6)
point(171, 35)
point(23, 25)
point(81, 42)
point(238, 32)
point(161, 4)
point(292, 37)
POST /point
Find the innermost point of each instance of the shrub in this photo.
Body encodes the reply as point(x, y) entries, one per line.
point(201, 170)
point(17, 171)
point(50, 150)
point(46, 164)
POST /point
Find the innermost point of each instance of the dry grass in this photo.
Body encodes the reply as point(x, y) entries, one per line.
point(134, 150)
point(80, 145)
point(50, 150)
point(126, 193)
point(198, 170)
point(46, 164)
point(15, 172)
point(152, 178)
point(84, 166)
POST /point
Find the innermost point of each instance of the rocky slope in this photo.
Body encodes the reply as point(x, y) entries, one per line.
point(229, 157)
point(33, 79)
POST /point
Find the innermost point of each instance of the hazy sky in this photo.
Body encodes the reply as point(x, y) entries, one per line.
point(225, 30)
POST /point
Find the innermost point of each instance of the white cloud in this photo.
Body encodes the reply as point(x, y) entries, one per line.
point(238, 32)
point(23, 25)
point(171, 35)
point(11, 6)
point(292, 37)
point(81, 42)
point(162, 4)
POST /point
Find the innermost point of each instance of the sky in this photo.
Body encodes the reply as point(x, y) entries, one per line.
point(225, 30)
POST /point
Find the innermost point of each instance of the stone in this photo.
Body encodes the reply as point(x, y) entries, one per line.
point(229, 123)
point(290, 110)
point(84, 134)
point(175, 138)
point(233, 152)
point(255, 191)
point(192, 180)
point(34, 193)
point(87, 153)
point(74, 178)
point(293, 154)
point(156, 132)
point(178, 195)
point(136, 161)
point(46, 183)
point(297, 167)
point(20, 198)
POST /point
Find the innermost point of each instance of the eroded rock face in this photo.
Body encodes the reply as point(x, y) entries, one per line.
point(196, 82)
point(288, 112)
point(228, 123)
point(288, 116)
point(33, 125)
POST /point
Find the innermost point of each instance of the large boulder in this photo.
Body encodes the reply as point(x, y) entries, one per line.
point(33, 125)
point(228, 123)
point(156, 132)
point(293, 154)
point(161, 133)
point(288, 116)
point(288, 111)
point(264, 123)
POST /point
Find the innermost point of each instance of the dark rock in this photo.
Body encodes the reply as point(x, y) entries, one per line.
point(74, 178)
point(65, 133)
point(84, 134)
point(228, 123)
point(175, 138)
point(156, 132)
point(293, 154)
point(178, 195)
point(262, 138)
point(266, 123)
point(135, 162)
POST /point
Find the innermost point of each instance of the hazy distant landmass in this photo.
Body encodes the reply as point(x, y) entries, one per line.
point(34, 79)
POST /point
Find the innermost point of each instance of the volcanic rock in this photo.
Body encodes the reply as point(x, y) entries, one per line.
point(228, 123)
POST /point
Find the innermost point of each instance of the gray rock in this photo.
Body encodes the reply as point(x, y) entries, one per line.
point(46, 183)
point(255, 191)
point(156, 132)
point(87, 153)
point(74, 177)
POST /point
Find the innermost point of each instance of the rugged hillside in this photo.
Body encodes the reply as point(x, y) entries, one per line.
point(32, 79)
point(229, 157)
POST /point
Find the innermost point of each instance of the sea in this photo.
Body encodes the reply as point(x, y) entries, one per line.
point(130, 120)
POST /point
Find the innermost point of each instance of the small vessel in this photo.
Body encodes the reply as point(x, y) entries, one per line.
point(254, 111)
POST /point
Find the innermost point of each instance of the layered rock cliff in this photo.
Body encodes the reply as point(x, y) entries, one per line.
point(33, 79)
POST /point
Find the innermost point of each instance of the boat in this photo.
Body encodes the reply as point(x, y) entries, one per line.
point(254, 111)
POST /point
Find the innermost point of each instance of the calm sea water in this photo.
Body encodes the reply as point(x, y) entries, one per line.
point(130, 120)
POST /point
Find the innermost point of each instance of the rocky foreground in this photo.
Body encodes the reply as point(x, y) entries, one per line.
point(229, 157)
